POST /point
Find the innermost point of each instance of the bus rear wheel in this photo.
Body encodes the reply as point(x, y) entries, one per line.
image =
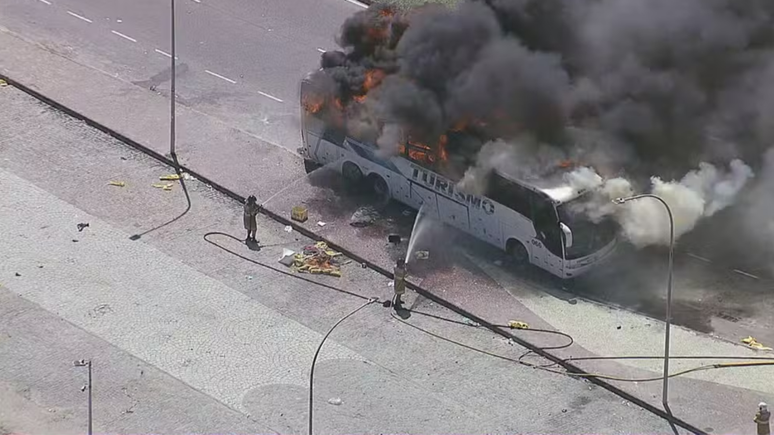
point(352, 174)
point(517, 252)
point(380, 187)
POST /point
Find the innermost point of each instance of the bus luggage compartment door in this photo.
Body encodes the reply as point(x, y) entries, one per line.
point(453, 213)
point(426, 200)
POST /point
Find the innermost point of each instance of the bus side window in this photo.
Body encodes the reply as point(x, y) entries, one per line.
point(546, 223)
point(334, 135)
point(510, 195)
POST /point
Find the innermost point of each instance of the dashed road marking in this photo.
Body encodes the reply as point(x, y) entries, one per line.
point(741, 272)
point(197, 1)
point(79, 17)
point(355, 2)
point(320, 50)
point(698, 258)
point(164, 53)
point(129, 38)
point(270, 96)
point(219, 76)
point(45, 1)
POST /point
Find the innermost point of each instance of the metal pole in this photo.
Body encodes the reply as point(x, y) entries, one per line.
point(172, 96)
point(90, 426)
point(668, 317)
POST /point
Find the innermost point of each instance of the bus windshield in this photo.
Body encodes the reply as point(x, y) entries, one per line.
point(588, 236)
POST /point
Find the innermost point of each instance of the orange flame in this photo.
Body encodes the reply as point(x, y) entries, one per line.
point(313, 103)
point(566, 164)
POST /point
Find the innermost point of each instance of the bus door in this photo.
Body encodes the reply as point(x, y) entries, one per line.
point(546, 246)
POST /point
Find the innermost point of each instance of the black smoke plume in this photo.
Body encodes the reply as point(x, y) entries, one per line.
point(640, 88)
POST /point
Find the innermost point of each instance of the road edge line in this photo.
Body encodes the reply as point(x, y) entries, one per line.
point(570, 367)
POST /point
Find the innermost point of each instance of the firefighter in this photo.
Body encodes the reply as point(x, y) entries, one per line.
point(399, 282)
point(762, 419)
point(250, 221)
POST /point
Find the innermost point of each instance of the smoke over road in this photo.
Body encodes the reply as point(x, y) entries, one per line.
point(661, 96)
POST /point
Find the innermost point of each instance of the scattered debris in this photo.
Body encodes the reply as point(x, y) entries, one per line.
point(391, 283)
point(618, 327)
point(299, 214)
point(394, 239)
point(249, 277)
point(82, 226)
point(422, 255)
point(515, 324)
point(117, 183)
point(753, 343)
point(75, 240)
point(573, 301)
point(363, 217)
point(320, 224)
point(187, 176)
point(470, 322)
point(40, 266)
point(288, 257)
point(318, 259)
point(170, 177)
point(364, 265)
point(163, 186)
point(18, 274)
point(335, 401)
point(288, 229)
point(498, 262)
point(3, 83)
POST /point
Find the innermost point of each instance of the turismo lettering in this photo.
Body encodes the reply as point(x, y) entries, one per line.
point(447, 188)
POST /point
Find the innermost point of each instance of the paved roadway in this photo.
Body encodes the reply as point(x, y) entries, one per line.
point(239, 60)
point(92, 43)
point(188, 338)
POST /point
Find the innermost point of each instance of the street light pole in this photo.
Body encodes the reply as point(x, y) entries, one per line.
point(86, 363)
point(668, 319)
point(172, 96)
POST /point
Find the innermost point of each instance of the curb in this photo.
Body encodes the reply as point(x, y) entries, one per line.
point(570, 367)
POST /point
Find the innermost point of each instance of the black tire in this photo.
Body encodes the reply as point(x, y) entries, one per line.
point(310, 166)
point(517, 252)
point(352, 174)
point(380, 187)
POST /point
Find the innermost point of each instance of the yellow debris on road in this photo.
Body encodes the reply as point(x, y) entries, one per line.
point(753, 343)
point(171, 177)
point(117, 183)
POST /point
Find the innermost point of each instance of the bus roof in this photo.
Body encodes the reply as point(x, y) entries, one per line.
point(559, 191)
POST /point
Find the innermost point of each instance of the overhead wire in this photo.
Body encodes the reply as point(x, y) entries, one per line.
point(749, 362)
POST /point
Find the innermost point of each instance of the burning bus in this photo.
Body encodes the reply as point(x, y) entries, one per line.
point(532, 222)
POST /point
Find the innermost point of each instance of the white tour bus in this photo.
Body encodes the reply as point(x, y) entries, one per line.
point(531, 224)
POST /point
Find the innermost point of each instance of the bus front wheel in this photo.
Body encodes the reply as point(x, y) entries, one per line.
point(517, 252)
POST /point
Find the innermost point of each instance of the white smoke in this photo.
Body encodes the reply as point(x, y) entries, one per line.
point(699, 194)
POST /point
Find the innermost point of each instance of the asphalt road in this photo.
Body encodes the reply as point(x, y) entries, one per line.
point(238, 60)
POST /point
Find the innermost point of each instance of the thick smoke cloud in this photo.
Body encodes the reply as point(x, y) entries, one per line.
point(640, 90)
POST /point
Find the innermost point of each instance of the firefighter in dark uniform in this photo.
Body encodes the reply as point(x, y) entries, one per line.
point(399, 282)
point(762, 419)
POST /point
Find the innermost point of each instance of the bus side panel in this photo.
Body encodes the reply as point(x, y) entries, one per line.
point(427, 199)
point(454, 213)
point(486, 227)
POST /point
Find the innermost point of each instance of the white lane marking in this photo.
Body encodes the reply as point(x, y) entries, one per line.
point(698, 258)
point(745, 274)
point(45, 1)
point(124, 36)
point(197, 1)
point(355, 2)
point(79, 17)
point(270, 96)
point(219, 76)
point(320, 50)
point(164, 53)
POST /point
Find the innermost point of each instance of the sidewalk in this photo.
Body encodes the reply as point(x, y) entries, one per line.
point(188, 338)
point(718, 399)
